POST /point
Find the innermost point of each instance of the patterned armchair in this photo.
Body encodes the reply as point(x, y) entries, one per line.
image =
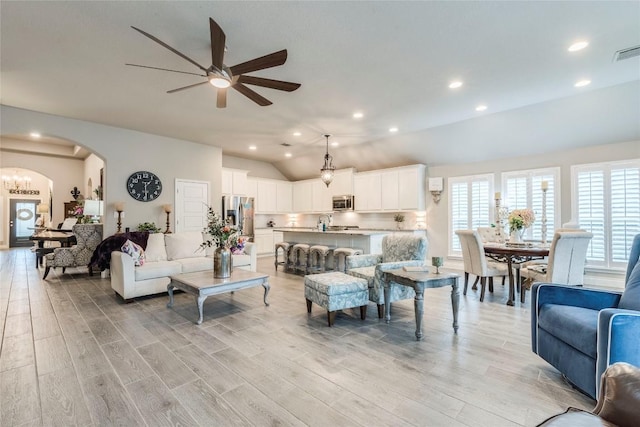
point(88, 236)
point(397, 251)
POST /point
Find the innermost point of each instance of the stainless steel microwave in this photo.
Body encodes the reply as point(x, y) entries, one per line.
point(343, 203)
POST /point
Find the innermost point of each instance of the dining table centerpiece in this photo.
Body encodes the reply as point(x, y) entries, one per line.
point(519, 220)
point(227, 241)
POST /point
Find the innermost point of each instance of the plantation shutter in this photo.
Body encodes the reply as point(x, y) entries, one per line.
point(625, 211)
point(470, 206)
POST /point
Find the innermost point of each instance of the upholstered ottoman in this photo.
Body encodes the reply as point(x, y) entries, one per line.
point(336, 291)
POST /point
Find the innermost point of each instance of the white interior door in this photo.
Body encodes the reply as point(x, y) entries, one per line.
point(192, 199)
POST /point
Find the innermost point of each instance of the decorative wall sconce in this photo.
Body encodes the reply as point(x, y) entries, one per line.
point(120, 211)
point(436, 186)
point(167, 210)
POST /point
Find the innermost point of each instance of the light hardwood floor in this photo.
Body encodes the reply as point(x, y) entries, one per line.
point(74, 354)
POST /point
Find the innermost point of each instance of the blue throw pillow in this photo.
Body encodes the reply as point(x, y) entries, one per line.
point(631, 296)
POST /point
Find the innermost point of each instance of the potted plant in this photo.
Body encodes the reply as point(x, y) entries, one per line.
point(399, 219)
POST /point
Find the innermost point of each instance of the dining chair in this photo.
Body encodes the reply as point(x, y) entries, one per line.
point(88, 237)
point(475, 262)
point(566, 261)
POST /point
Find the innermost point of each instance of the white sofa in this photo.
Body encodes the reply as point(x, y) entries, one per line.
point(166, 255)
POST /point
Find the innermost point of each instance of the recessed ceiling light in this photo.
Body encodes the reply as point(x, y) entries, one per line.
point(481, 107)
point(578, 46)
point(455, 85)
point(287, 154)
point(393, 129)
point(297, 134)
point(358, 115)
point(35, 134)
point(582, 83)
point(335, 143)
point(253, 147)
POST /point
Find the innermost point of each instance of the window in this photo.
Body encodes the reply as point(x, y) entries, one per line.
point(606, 202)
point(523, 189)
point(470, 206)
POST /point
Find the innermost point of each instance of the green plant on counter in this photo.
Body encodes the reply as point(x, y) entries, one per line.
point(149, 226)
point(398, 218)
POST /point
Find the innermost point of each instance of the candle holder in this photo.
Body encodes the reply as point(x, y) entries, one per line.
point(437, 262)
point(167, 210)
point(499, 214)
point(543, 229)
point(119, 206)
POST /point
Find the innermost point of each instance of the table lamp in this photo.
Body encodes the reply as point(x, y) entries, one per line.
point(119, 206)
point(167, 210)
point(93, 209)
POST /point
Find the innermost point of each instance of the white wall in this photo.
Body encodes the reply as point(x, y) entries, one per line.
point(256, 168)
point(124, 152)
point(92, 166)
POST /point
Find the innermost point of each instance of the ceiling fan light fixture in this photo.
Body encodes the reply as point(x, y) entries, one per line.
point(327, 171)
point(220, 82)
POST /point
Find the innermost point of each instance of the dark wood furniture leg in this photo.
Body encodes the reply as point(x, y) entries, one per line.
point(308, 306)
point(363, 312)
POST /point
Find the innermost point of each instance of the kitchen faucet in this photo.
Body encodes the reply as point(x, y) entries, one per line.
point(325, 219)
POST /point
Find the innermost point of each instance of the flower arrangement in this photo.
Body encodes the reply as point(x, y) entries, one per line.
point(521, 218)
point(398, 217)
point(222, 234)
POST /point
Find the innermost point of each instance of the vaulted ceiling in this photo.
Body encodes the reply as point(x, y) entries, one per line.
point(392, 61)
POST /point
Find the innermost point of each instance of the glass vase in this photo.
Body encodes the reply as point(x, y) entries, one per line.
point(516, 236)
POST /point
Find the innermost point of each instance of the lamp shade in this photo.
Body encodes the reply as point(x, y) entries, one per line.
point(93, 208)
point(42, 208)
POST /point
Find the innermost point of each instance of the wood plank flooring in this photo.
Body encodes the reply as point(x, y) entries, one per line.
point(72, 353)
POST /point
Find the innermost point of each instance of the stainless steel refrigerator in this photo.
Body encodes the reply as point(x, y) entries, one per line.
point(240, 212)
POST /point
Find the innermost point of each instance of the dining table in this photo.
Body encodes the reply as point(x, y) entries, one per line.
point(514, 254)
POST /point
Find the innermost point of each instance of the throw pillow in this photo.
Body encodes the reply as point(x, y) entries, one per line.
point(155, 250)
point(631, 296)
point(135, 251)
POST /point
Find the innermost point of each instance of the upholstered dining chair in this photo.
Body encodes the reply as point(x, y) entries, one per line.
point(581, 331)
point(88, 236)
point(475, 262)
point(397, 251)
point(489, 234)
point(565, 265)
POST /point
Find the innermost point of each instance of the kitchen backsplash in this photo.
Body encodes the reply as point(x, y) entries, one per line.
point(412, 220)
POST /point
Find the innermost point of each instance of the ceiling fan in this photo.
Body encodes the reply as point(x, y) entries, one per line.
point(223, 77)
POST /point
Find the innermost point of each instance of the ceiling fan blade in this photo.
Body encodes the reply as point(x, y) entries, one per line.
point(221, 101)
point(270, 83)
point(166, 69)
point(267, 61)
point(187, 87)
point(217, 44)
point(252, 95)
point(161, 43)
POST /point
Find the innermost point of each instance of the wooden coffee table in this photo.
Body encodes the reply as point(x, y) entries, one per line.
point(202, 284)
point(420, 281)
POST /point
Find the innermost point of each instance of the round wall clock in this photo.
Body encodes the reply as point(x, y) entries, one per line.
point(144, 186)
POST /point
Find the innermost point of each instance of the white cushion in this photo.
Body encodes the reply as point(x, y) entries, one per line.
point(155, 250)
point(153, 270)
point(241, 260)
point(190, 265)
point(184, 245)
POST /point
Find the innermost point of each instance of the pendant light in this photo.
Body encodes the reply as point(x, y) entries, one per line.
point(326, 173)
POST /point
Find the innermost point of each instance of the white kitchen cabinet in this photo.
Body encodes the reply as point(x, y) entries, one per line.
point(234, 181)
point(389, 190)
point(302, 196)
point(395, 189)
point(367, 191)
point(284, 197)
point(263, 240)
point(266, 198)
point(342, 183)
point(321, 197)
point(252, 188)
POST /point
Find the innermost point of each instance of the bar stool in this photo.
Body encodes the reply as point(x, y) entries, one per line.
point(300, 257)
point(285, 247)
point(318, 258)
point(343, 253)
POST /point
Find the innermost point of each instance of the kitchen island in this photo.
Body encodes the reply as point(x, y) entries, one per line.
point(370, 241)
